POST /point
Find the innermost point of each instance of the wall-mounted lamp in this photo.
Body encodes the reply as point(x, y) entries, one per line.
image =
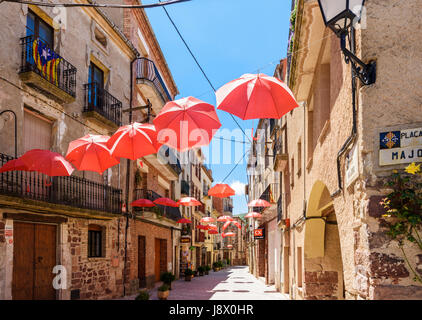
point(339, 16)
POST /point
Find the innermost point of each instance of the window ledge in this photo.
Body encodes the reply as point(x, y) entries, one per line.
point(324, 132)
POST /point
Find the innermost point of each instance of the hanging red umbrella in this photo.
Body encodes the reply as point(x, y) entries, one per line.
point(207, 220)
point(237, 224)
point(189, 202)
point(212, 227)
point(253, 215)
point(166, 202)
point(212, 231)
point(259, 203)
point(143, 203)
point(256, 96)
point(221, 191)
point(14, 165)
point(134, 141)
point(224, 218)
point(90, 153)
point(202, 227)
point(229, 246)
point(228, 234)
point(183, 220)
point(45, 161)
point(186, 123)
point(226, 225)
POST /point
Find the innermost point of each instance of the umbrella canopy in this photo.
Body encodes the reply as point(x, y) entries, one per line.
point(14, 165)
point(166, 202)
point(228, 234)
point(184, 221)
point(253, 215)
point(90, 153)
point(47, 162)
point(256, 96)
point(224, 218)
point(229, 246)
point(189, 202)
point(143, 203)
point(212, 231)
point(212, 227)
point(202, 227)
point(186, 123)
point(226, 225)
point(134, 141)
point(207, 220)
point(221, 191)
point(237, 224)
point(259, 203)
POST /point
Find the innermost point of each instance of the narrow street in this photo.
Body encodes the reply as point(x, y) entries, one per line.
point(233, 283)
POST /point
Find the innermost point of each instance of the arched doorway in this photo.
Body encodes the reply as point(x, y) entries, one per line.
point(323, 265)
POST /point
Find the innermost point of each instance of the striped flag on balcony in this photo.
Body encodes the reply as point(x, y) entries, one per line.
point(46, 60)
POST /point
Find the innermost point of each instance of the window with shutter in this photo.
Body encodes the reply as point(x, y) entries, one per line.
point(37, 131)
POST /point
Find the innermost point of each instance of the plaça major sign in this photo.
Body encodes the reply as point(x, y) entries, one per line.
point(404, 146)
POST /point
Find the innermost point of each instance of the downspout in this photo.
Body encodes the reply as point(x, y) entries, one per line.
point(128, 174)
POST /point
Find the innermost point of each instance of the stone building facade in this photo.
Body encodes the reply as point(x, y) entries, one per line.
point(333, 233)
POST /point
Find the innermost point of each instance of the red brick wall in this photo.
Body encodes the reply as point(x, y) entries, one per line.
point(321, 285)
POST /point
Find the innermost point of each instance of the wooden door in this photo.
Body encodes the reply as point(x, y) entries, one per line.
point(163, 256)
point(141, 262)
point(157, 259)
point(34, 258)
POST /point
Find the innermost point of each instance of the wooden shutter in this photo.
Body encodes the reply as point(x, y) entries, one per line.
point(37, 132)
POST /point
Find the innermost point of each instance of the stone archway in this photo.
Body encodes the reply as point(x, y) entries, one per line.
point(323, 265)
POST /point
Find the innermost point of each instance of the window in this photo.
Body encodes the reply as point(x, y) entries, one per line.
point(299, 158)
point(299, 267)
point(292, 173)
point(39, 29)
point(96, 75)
point(37, 131)
point(100, 37)
point(95, 241)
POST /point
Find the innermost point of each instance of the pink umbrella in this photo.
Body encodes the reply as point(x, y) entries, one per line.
point(256, 96)
point(189, 202)
point(186, 123)
point(224, 218)
point(47, 162)
point(134, 141)
point(166, 202)
point(143, 203)
point(14, 165)
point(259, 203)
point(207, 220)
point(90, 153)
point(253, 215)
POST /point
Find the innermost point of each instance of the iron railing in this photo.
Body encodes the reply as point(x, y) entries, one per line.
point(169, 212)
point(101, 101)
point(72, 191)
point(185, 187)
point(146, 70)
point(171, 159)
point(39, 58)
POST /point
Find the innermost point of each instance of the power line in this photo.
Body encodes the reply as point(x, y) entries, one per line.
point(231, 171)
point(98, 5)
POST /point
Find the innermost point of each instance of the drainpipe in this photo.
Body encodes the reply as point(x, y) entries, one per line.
point(128, 175)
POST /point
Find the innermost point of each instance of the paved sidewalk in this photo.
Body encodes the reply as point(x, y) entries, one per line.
point(233, 283)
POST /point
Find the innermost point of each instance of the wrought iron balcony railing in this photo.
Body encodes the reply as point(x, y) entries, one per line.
point(72, 191)
point(169, 212)
point(146, 70)
point(39, 58)
point(185, 187)
point(171, 159)
point(99, 100)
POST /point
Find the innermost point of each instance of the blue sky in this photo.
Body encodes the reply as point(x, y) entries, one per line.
point(229, 38)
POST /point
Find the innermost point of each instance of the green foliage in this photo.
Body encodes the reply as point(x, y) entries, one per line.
point(404, 211)
point(167, 277)
point(201, 269)
point(207, 268)
point(143, 295)
point(163, 288)
point(188, 272)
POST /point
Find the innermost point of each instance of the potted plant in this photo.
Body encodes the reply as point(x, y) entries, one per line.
point(228, 262)
point(163, 292)
point(215, 266)
point(201, 270)
point(188, 274)
point(167, 278)
point(143, 295)
point(207, 269)
point(220, 264)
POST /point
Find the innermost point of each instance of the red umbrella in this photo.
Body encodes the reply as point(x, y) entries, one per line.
point(207, 220)
point(229, 246)
point(226, 225)
point(224, 218)
point(189, 202)
point(256, 96)
point(228, 234)
point(253, 215)
point(166, 202)
point(221, 191)
point(212, 231)
point(14, 165)
point(202, 227)
point(237, 224)
point(143, 203)
point(186, 123)
point(134, 141)
point(47, 162)
point(259, 203)
point(91, 153)
point(184, 221)
point(212, 227)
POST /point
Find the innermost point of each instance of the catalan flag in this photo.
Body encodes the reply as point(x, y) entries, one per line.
point(46, 60)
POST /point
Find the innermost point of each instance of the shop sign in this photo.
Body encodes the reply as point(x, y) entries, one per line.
point(352, 172)
point(402, 146)
point(258, 233)
point(185, 240)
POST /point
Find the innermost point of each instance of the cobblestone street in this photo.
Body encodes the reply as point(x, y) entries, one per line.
point(234, 283)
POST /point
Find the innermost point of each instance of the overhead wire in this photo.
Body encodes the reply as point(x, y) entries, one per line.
point(98, 5)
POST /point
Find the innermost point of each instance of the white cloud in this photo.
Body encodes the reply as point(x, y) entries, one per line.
point(239, 187)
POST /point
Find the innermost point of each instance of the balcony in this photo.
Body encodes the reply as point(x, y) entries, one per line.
point(185, 187)
point(47, 71)
point(280, 159)
point(172, 213)
point(168, 156)
point(101, 105)
point(268, 194)
point(150, 80)
point(71, 191)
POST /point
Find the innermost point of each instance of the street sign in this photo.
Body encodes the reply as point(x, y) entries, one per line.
point(258, 233)
point(184, 240)
point(401, 146)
